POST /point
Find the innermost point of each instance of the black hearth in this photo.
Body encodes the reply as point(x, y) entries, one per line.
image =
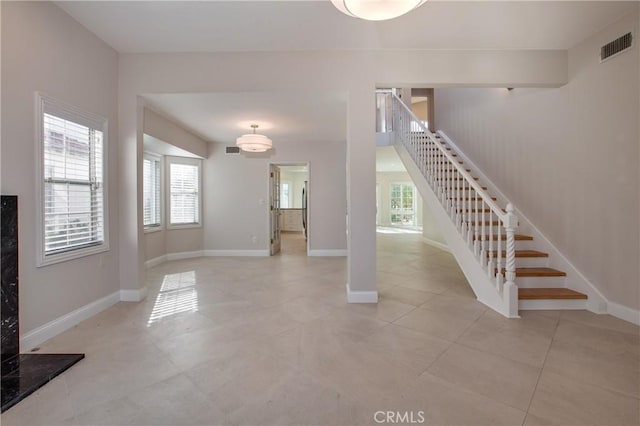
point(22, 374)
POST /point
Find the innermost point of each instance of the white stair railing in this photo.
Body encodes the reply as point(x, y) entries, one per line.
point(489, 231)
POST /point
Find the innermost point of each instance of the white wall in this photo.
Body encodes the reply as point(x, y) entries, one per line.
point(430, 229)
point(43, 49)
point(236, 196)
point(385, 179)
point(166, 130)
point(566, 157)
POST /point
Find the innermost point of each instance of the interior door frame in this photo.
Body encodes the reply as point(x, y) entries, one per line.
point(307, 164)
point(274, 210)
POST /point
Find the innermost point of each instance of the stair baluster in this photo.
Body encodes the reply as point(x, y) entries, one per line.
point(491, 263)
point(465, 202)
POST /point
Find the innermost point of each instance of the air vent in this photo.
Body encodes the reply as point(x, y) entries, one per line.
point(616, 46)
point(233, 150)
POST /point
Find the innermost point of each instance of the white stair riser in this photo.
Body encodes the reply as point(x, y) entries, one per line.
point(551, 304)
point(541, 282)
point(532, 262)
point(527, 262)
point(520, 245)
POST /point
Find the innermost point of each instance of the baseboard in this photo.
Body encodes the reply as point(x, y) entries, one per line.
point(436, 244)
point(328, 253)
point(59, 325)
point(236, 253)
point(155, 261)
point(184, 255)
point(624, 312)
point(361, 296)
point(133, 295)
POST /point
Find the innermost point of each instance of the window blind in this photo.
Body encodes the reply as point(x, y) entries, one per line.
point(151, 192)
point(184, 187)
point(73, 198)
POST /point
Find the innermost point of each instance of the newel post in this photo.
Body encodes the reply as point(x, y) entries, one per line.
point(510, 290)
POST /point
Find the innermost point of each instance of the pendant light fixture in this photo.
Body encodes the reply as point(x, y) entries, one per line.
point(376, 10)
point(253, 142)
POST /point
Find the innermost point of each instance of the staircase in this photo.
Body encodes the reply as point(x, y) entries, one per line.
point(506, 267)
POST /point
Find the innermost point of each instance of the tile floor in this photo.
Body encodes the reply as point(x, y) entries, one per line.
point(271, 341)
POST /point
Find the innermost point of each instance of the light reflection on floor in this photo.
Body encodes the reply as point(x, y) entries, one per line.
point(399, 230)
point(177, 295)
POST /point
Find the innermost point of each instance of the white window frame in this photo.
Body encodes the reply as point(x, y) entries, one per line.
point(289, 194)
point(49, 105)
point(192, 162)
point(415, 203)
point(156, 157)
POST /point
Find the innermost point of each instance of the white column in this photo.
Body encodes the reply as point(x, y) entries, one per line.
point(130, 151)
point(361, 197)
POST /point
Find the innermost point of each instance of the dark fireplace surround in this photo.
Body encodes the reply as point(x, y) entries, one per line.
point(22, 374)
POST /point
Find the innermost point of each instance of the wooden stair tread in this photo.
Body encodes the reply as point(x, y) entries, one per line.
point(517, 237)
point(538, 272)
point(549, 293)
point(457, 178)
point(524, 253)
point(486, 222)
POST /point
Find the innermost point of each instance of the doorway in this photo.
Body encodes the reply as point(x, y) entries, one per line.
point(289, 208)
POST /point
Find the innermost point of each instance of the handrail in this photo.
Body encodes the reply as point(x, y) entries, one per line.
point(470, 180)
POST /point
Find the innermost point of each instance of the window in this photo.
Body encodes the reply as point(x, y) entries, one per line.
point(184, 186)
point(72, 182)
point(151, 192)
point(285, 193)
point(403, 204)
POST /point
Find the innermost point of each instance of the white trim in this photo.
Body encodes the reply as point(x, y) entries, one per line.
point(204, 253)
point(155, 261)
point(361, 296)
point(184, 255)
point(552, 304)
point(624, 312)
point(152, 156)
point(59, 325)
point(133, 295)
point(328, 253)
point(436, 244)
point(152, 229)
point(238, 253)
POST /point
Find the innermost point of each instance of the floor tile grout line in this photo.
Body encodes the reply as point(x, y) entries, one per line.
point(544, 362)
point(577, 379)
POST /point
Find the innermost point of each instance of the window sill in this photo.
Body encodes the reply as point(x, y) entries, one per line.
point(152, 229)
point(185, 226)
point(72, 254)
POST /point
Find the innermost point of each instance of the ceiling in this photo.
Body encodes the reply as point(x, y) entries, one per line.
point(219, 26)
point(292, 116)
point(306, 117)
point(387, 160)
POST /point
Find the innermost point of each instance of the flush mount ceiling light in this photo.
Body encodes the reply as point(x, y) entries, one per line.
point(254, 142)
point(376, 10)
